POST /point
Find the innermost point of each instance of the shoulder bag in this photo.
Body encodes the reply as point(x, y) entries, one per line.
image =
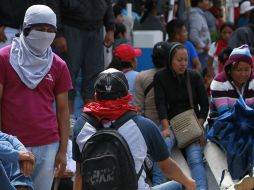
point(185, 125)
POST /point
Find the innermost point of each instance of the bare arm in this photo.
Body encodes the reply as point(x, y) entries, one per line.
point(196, 64)
point(62, 112)
point(1, 95)
point(210, 69)
point(3, 37)
point(172, 171)
point(165, 126)
point(78, 180)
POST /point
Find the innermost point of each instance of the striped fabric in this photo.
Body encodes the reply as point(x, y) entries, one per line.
point(224, 94)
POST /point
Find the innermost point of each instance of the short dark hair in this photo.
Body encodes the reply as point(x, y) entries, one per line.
point(160, 54)
point(120, 29)
point(116, 63)
point(224, 55)
point(227, 24)
point(117, 9)
point(173, 26)
point(194, 3)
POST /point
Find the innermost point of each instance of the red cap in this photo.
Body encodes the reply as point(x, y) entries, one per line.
point(126, 52)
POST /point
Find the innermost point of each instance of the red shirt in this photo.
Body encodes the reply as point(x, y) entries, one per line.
point(29, 113)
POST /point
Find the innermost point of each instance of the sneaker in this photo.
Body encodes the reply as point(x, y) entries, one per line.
point(246, 183)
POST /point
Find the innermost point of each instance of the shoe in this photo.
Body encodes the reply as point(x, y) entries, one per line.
point(247, 183)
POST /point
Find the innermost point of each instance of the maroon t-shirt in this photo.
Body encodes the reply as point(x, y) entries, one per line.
point(29, 113)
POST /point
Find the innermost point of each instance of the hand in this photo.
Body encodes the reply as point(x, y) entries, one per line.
point(206, 49)
point(26, 162)
point(109, 39)
point(60, 162)
point(25, 155)
point(202, 141)
point(66, 173)
point(191, 185)
point(201, 121)
point(165, 132)
point(3, 37)
point(60, 44)
point(26, 167)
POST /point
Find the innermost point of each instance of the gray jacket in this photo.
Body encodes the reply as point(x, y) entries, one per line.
point(199, 33)
point(243, 35)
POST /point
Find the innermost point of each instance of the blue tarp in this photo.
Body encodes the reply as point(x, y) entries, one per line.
point(234, 132)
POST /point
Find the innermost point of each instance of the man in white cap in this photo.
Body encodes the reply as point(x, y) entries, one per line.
point(31, 78)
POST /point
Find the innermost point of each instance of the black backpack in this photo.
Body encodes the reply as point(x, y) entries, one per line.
point(107, 162)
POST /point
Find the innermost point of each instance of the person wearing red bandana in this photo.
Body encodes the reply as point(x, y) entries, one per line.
point(112, 102)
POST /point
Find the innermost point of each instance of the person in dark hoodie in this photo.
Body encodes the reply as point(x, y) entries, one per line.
point(171, 98)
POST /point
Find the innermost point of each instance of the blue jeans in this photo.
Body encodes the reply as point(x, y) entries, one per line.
point(78, 101)
point(43, 173)
point(158, 176)
point(203, 57)
point(11, 175)
point(171, 185)
point(194, 155)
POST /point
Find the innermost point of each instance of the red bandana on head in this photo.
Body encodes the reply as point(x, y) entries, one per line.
point(110, 109)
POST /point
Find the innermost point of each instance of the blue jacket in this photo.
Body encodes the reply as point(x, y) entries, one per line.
point(9, 147)
point(233, 131)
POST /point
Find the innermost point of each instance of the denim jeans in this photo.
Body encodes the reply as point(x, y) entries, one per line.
point(11, 175)
point(170, 185)
point(194, 155)
point(43, 173)
point(78, 100)
point(203, 57)
point(158, 176)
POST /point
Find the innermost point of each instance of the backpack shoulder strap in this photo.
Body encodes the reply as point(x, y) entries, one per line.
point(123, 119)
point(92, 120)
point(148, 88)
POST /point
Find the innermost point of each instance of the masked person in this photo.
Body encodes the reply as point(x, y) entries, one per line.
point(31, 78)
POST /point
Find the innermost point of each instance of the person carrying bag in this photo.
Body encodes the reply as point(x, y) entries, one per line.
point(185, 125)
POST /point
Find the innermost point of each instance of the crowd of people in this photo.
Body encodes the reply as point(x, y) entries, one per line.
point(53, 51)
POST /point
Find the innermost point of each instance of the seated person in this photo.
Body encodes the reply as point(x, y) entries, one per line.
point(16, 164)
point(144, 98)
point(172, 98)
point(228, 86)
point(178, 32)
point(120, 35)
point(125, 60)
point(112, 102)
